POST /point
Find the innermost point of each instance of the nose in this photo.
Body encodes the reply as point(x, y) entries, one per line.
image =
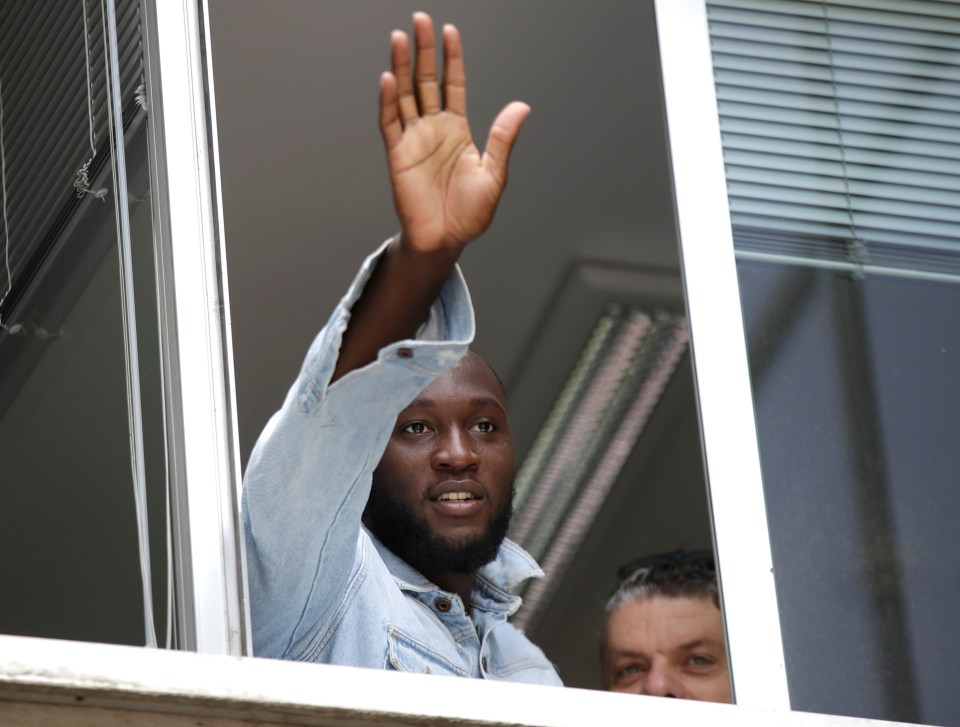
point(455, 450)
point(660, 682)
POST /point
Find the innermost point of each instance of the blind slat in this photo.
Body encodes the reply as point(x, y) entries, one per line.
point(840, 121)
point(797, 173)
point(43, 79)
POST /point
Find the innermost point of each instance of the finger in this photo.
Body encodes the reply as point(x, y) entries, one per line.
point(428, 88)
point(454, 77)
point(503, 133)
point(390, 127)
point(400, 47)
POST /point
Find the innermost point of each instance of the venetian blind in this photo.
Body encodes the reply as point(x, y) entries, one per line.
point(840, 123)
point(53, 90)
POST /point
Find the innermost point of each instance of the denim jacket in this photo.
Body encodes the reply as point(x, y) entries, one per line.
point(324, 589)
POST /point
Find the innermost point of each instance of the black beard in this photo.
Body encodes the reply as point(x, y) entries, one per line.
point(409, 537)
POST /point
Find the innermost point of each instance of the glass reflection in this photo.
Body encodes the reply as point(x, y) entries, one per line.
point(67, 513)
point(856, 398)
point(840, 137)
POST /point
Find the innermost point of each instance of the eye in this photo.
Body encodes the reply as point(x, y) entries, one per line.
point(484, 427)
point(627, 672)
point(415, 428)
point(700, 662)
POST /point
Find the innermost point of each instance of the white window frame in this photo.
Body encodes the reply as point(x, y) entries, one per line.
point(196, 340)
point(719, 353)
point(53, 683)
point(42, 680)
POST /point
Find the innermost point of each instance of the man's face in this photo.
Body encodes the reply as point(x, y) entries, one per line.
point(667, 647)
point(442, 493)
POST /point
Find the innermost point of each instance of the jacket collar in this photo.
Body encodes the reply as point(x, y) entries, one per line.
point(493, 586)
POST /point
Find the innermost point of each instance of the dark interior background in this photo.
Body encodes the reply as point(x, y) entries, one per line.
point(306, 196)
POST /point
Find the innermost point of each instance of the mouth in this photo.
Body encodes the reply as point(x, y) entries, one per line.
point(450, 496)
point(457, 498)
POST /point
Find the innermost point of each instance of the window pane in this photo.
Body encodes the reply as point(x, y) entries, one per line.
point(856, 400)
point(68, 519)
point(839, 134)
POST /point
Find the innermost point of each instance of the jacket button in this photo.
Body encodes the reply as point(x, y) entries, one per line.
point(404, 353)
point(444, 605)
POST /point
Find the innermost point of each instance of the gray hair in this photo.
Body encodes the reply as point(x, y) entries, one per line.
point(675, 575)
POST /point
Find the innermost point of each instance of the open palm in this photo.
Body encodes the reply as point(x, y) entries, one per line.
point(445, 191)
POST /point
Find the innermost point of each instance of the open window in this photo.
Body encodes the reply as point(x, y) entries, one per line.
point(820, 376)
point(118, 507)
point(81, 408)
point(576, 286)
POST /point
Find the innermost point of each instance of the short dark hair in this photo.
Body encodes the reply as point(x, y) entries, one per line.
point(677, 574)
point(479, 355)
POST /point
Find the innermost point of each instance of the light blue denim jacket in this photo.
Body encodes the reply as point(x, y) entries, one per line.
point(322, 588)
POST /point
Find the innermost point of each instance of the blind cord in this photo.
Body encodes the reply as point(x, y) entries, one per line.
point(82, 180)
point(135, 418)
point(86, 51)
point(857, 252)
point(6, 223)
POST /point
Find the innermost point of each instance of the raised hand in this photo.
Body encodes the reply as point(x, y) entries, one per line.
point(445, 191)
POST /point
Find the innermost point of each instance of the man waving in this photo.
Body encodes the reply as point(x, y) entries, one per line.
point(377, 499)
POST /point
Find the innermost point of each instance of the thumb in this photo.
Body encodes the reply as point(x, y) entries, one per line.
point(503, 133)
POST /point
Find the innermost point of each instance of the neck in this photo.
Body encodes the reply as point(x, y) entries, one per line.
point(459, 583)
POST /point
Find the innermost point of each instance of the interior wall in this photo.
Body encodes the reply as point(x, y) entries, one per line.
point(306, 194)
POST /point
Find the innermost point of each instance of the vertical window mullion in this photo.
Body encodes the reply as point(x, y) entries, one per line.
point(198, 368)
point(719, 356)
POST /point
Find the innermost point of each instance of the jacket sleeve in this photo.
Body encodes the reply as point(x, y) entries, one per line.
point(309, 475)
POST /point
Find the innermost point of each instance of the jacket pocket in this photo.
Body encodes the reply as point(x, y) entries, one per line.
point(406, 653)
point(511, 656)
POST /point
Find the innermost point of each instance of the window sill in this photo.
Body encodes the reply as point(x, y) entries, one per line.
point(53, 683)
